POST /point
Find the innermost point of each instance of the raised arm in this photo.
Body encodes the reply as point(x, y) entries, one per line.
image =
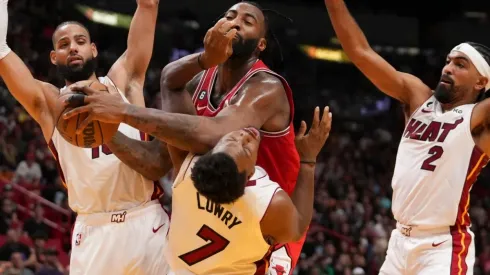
point(404, 87)
point(179, 101)
point(286, 228)
point(128, 73)
point(36, 97)
point(257, 103)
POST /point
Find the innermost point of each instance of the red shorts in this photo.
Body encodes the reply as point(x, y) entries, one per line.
point(284, 257)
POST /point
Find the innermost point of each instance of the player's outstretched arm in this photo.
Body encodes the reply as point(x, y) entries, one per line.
point(196, 134)
point(128, 73)
point(286, 228)
point(404, 87)
point(31, 93)
point(149, 158)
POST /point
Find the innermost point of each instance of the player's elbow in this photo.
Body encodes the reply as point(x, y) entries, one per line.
point(290, 234)
point(299, 229)
point(167, 82)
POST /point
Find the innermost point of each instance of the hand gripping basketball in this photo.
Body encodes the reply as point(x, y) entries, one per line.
point(310, 145)
point(104, 107)
point(218, 43)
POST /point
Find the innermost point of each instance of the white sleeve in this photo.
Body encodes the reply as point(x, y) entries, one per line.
point(4, 18)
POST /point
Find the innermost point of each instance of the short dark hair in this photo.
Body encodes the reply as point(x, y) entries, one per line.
point(216, 176)
point(68, 23)
point(485, 52)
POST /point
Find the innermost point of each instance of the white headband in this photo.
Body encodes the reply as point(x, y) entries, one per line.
point(477, 59)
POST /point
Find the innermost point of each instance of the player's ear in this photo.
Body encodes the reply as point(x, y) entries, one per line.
point(52, 57)
point(262, 44)
point(481, 83)
point(95, 52)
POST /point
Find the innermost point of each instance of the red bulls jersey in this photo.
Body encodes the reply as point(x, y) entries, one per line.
point(277, 151)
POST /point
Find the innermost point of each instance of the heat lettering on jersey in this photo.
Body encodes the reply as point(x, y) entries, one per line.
point(216, 209)
point(435, 131)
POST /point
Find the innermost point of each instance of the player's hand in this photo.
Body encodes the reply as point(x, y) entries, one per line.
point(101, 106)
point(309, 145)
point(218, 43)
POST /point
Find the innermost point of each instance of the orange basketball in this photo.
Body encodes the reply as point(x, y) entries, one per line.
point(95, 134)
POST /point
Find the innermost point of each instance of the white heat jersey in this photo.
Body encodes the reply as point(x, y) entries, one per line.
point(97, 181)
point(209, 238)
point(436, 165)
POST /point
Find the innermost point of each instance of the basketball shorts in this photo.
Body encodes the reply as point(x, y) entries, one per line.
point(284, 257)
point(442, 251)
point(124, 242)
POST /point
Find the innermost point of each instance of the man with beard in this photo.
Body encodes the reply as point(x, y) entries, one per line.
point(121, 227)
point(229, 88)
point(230, 85)
point(445, 145)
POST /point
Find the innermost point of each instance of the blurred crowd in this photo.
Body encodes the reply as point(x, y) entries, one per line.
point(352, 220)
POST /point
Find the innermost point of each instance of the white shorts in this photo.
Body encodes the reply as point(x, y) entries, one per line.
point(121, 243)
point(442, 251)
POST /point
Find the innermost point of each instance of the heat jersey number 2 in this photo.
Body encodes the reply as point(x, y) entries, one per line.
point(216, 244)
point(436, 153)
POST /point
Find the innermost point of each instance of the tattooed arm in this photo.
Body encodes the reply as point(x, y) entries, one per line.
point(261, 99)
point(149, 158)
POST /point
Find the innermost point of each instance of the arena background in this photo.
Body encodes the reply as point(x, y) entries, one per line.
point(352, 219)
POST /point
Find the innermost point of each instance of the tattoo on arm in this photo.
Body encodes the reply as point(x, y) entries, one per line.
point(186, 132)
point(149, 158)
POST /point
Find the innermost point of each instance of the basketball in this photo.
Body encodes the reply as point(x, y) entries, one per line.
point(95, 134)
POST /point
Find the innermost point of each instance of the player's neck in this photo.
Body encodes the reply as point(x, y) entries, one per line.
point(93, 77)
point(230, 72)
point(449, 106)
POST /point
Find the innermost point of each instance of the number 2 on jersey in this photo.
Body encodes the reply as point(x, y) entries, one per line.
point(436, 153)
point(216, 244)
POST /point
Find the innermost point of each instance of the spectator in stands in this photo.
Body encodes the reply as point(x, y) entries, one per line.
point(8, 153)
point(36, 224)
point(28, 170)
point(17, 267)
point(52, 265)
point(13, 245)
point(6, 214)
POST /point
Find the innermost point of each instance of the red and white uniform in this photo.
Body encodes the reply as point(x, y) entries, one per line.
point(277, 151)
point(113, 203)
point(436, 166)
point(210, 238)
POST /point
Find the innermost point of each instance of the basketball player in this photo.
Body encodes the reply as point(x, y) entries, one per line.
point(229, 84)
point(445, 144)
point(121, 227)
point(224, 198)
point(245, 208)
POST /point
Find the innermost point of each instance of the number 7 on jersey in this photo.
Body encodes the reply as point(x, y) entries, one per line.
point(216, 244)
